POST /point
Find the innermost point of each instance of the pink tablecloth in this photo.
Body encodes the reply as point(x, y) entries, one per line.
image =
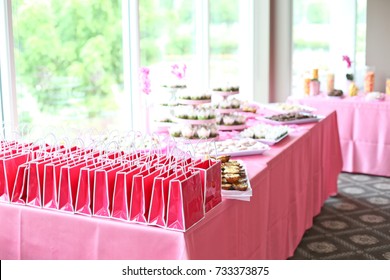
point(290, 184)
point(364, 132)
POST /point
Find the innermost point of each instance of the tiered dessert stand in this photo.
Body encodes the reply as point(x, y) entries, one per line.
point(229, 113)
point(193, 126)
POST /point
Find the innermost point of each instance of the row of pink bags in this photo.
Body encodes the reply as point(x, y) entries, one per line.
point(155, 189)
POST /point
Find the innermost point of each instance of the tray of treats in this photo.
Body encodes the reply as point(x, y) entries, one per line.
point(291, 118)
point(232, 147)
point(282, 107)
point(266, 133)
point(226, 91)
point(235, 180)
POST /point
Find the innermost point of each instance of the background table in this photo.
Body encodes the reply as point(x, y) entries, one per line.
point(364, 131)
point(290, 184)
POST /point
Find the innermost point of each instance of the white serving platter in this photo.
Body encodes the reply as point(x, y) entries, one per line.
point(225, 93)
point(232, 147)
point(298, 121)
point(193, 102)
point(298, 108)
point(195, 122)
point(272, 141)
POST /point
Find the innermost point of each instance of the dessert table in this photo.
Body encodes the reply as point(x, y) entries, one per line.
point(290, 183)
point(364, 131)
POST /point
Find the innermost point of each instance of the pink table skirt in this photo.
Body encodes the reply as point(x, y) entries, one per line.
point(290, 184)
point(364, 132)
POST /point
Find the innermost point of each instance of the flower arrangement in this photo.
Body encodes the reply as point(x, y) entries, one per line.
point(349, 76)
point(145, 80)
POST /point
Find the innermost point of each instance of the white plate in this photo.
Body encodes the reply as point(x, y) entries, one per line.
point(188, 121)
point(299, 108)
point(271, 141)
point(195, 140)
point(232, 127)
point(232, 147)
point(193, 102)
point(299, 121)
point(225, 93)
point(239, 195)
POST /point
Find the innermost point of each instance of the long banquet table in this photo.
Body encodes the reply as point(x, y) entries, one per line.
point(364, 131)
point(290, 184)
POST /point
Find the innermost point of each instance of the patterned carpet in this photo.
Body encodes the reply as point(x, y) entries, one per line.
point(354, 225)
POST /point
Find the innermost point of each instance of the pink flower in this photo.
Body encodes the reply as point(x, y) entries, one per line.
point(179, 73)
point(145, 80)
point(347, 60)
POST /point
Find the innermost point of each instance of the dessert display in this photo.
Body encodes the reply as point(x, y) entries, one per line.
point(233, 103)
point(234, 176)
point(232, 147)
point(193, 95)
point(196, 119)
point(201, 112)
point(266, 133)
point(189, 131)
point(227, 89)
point(291, 117)
point(230, 119)
point(249, 108)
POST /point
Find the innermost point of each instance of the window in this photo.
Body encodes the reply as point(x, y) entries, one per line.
point(76, 63)
point(224, 42)
point(68, 63)
point(322, 35)
point(167, 37)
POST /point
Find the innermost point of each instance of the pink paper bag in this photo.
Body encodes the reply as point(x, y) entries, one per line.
point(122, 193)
point(185, 202)
point(85, 188)
point(9, 167)
point(141, 194)
point(35, 182)
point(210, 173)
point(19, 194)
point(68, 182)
point(50, 184)
point(159, 199)
point(104, 189)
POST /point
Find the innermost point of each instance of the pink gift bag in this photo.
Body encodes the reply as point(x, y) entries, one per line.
point(104, 189)
point(9, 166)
point(84, 197)
point(185, 202)
point(210, 173)
point(68, 182)
point(159, 198)
point(141, 194)
point(35, 181)
point(122, 193)
point(19, 194)
point(50, 184)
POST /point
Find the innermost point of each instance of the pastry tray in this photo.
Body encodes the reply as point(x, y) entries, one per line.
point(297, 121)
point(239, 195)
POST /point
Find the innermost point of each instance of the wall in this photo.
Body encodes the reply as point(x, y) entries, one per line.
point(280, 50)
point(378, 40)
